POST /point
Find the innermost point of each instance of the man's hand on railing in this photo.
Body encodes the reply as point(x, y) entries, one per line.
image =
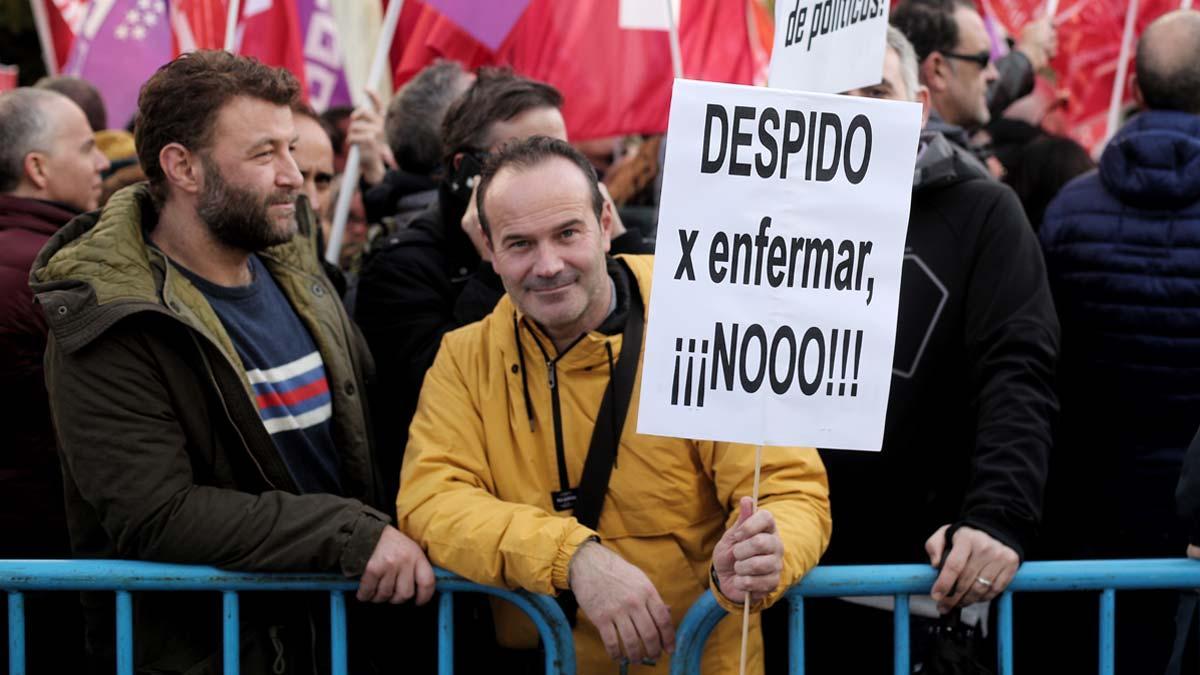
point(749, 556)
point(620, 600)
point(977, 568)
point(1193, 551)
point(397, 571)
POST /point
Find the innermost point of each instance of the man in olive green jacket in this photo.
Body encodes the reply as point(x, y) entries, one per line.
point(206, 384)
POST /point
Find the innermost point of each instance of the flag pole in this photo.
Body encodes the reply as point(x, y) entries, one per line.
point(1186, 4)
point(1114, 104)
point(673, 32)
point(746, 600)
point(42, 22)
point(1052, 8)
point(231, 25)
point(341, 212)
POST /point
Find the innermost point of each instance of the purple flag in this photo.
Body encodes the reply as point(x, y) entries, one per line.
point(119, 46)
point(323, 64)
point(489, 22)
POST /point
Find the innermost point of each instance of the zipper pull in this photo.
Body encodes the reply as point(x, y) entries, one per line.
point(552, 374)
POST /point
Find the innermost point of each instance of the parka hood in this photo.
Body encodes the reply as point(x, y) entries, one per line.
point(1154, 160)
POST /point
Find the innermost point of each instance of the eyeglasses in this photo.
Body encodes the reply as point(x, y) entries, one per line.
point(982, 59)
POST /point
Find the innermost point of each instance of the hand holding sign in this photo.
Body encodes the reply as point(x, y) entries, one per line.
point(749, 556)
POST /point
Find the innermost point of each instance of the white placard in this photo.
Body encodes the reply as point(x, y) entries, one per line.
point(646, 14)
point(828, 46)
point(773, 247)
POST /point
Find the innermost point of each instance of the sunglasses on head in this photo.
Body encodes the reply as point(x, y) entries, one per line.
point(982, 59)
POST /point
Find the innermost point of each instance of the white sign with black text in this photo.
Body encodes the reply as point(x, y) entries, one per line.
point(828, 46)
point(777, 270)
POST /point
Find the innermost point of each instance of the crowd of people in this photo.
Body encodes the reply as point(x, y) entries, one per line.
point(187, 380)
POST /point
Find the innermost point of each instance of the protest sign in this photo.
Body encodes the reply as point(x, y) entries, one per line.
point(647, 14)
point(777, 270)
point(828, 46)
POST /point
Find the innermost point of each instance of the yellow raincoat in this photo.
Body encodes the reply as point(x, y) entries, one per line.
point(478, 473)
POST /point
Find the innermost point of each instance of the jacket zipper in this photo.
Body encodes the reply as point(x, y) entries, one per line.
point(212, 378)
point(556, 408)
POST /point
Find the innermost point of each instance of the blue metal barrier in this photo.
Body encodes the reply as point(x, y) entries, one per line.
point(901, 581)
point(125, 577)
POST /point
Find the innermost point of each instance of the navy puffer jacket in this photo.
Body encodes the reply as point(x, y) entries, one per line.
point(1122, 249)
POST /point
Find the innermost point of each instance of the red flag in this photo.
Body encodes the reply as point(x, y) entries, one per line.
point(614, 81)
point(58, 21)
point(1089, 45)
point(269, 31)
point(205, 21)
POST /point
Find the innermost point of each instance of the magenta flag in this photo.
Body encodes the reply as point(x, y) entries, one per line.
point(489, 22)
point(118, 47)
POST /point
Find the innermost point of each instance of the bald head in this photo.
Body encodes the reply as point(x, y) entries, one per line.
point(1168, 72)
point(47, 150)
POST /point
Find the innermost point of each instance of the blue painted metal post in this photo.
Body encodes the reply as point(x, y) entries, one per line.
point(796, 636)
point(16, 633)
point(229, 636)
point(337, 632)
point(900, 635)
point(446, 634)
point(1004, 637)
point(1108, 631)
point(124, 633)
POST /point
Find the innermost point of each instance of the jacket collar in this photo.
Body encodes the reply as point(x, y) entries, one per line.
point(34, 215)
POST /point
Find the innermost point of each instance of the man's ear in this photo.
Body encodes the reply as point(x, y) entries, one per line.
point(456, 161)
point(926, 107)
point(606, 224)
point(34, 166)
point(935, 73)
point(181, 167)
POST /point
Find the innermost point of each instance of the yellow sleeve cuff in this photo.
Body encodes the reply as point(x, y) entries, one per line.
point(562, 561)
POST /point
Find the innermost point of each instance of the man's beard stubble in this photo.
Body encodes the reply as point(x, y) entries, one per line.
point(238, 217)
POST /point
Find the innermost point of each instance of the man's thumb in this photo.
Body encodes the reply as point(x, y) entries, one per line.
point(745, 510)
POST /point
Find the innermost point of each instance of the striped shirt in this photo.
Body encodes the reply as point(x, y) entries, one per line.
point(286, 372)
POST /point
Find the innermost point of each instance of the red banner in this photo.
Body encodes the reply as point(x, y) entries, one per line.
point(614, 81)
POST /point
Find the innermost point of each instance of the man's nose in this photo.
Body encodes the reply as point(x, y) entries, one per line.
point(288, 174)
point(548, 262)
point(100, 161)
point(991, 74)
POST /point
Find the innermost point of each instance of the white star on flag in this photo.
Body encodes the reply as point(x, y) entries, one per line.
point(132, 16)
point(121, 32)
point(139, 33)
point(149, 19)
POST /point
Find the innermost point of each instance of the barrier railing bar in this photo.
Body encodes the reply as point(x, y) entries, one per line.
point(446, 634)
point(796, 636)
point(695, 628)
point(1108, 633)
point(229, 637)
point(900, 640)
point(338, 647)
point(124, 633)
point(1004, 633)
point(16, 633)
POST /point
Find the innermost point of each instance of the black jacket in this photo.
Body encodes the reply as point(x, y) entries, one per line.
point(423, 282)
point(967, 436)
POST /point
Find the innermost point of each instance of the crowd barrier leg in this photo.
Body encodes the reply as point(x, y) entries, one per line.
point(1004, 633)
point(337, 633)
point(16, 633)
point(446, 634)
point(1108, 634)
point(124, 633)
point(900, 637)
point(796, 636)
point(230, 641)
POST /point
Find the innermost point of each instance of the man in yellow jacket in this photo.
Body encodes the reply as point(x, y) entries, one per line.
point(502, 434)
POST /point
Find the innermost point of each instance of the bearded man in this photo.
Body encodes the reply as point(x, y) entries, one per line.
point(206, 384)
